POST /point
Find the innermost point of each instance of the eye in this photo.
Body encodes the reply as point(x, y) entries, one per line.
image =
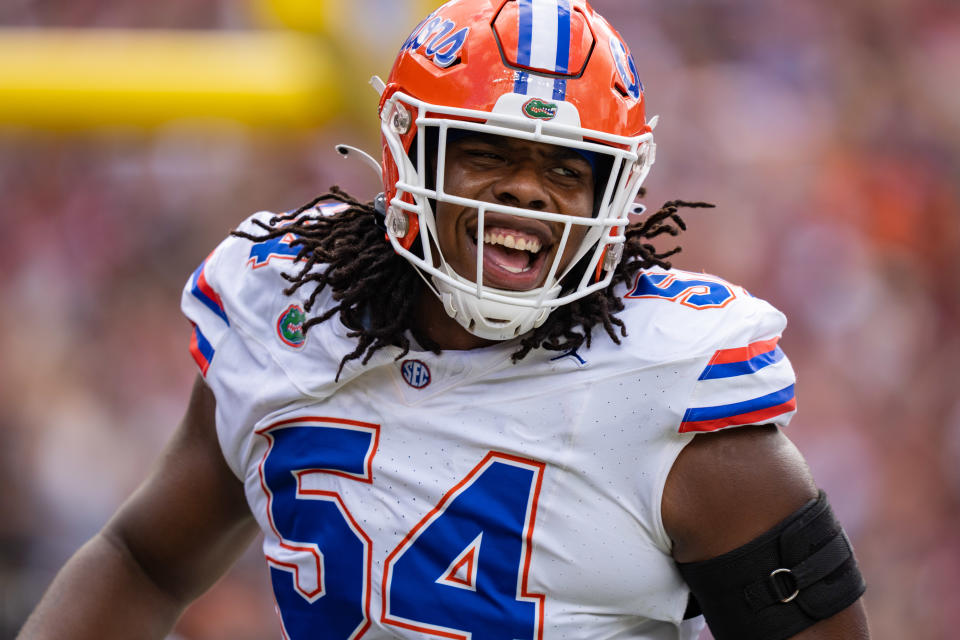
point(484, 157)
point(566, 172)
point(484, 153)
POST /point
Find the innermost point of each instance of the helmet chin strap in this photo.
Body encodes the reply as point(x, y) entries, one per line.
point(476, 315)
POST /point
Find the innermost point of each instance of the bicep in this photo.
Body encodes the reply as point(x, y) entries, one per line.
point(188, 522)
point(726, 489)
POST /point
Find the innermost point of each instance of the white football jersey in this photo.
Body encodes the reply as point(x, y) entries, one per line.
point(463, 495)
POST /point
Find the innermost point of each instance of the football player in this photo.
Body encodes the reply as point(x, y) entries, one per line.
point(482, 405)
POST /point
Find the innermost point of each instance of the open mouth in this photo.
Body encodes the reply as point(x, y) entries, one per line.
point(512, 258)
point(510, 250)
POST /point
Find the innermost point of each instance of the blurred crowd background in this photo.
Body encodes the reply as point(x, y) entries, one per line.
point(827, 133)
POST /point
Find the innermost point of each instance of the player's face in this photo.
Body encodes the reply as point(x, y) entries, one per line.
point(517, 252)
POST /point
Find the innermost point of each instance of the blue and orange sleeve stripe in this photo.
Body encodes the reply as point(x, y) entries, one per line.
point(753, 411)
point(758, 373)
point(201, 350)
point(203, 292)
point(200, 347)
point(727, 363)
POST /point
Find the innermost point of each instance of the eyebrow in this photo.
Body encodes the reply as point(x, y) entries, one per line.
point(555, 152)
point(461, 135)
point(568, 154)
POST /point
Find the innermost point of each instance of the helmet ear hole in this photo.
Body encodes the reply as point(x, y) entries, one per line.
point(601, 176)
point(430, 146)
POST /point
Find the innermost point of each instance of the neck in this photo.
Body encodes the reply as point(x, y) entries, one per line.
point(432, 321)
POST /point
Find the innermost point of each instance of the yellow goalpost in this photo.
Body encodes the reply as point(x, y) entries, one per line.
point(298, 73)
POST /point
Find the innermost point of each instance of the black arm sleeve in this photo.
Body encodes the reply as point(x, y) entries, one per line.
point(799, 572)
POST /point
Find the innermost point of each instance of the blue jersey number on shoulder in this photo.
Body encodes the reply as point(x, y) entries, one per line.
point(461, 572)
point(280, 247)
point(696, 292)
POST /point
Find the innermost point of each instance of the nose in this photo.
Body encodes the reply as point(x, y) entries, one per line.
point(523, 187)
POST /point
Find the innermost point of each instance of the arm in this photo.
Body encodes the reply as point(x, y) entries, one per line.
point(729, 487)
point(168, 543)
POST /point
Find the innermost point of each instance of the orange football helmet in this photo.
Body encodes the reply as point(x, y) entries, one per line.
point(551, 71)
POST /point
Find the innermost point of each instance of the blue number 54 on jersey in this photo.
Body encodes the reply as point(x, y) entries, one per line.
point(461, 572)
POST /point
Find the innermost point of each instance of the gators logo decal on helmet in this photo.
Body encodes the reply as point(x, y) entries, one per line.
point(539, 109)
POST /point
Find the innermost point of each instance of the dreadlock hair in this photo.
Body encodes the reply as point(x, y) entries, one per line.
point(376, 290)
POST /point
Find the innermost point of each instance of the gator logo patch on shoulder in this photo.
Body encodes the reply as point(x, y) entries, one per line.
point(540, 109)
point(290, 326)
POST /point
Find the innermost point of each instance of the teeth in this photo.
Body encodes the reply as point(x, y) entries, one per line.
point(511, 242)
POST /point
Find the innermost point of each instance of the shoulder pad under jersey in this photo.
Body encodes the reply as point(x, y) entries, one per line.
point(236, 302)
point(742, 374)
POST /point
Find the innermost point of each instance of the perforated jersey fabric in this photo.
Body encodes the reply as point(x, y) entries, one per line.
point(462, 495)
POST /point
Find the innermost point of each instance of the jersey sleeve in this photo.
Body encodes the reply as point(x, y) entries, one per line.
point(238, 305)
point(748, 379)
point(230, 290)
point(205, 310)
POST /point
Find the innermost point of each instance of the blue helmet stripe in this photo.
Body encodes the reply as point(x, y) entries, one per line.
point(525, 35)
point(520, 82)
point(559, 89)
point(524, 44)
point(563, 36)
